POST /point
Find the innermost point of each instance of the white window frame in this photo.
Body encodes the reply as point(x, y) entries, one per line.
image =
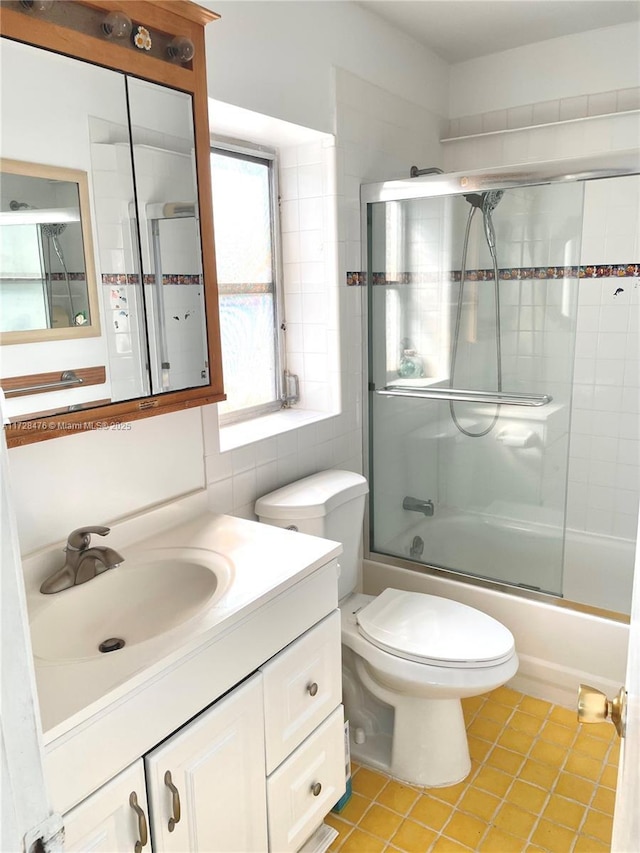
point(261, 153)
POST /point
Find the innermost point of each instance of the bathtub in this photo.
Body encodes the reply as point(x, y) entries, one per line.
point(559, 647)
point(596, 570)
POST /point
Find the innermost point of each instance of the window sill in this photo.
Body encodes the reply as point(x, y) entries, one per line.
point(248, 432)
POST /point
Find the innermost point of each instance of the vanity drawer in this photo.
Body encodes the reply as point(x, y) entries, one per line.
point(302, 685)
point(303, 789)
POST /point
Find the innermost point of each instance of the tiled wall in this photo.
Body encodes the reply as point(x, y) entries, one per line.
point(308, 195)
point(378, 135)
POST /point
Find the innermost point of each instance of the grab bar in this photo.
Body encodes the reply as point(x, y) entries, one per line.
point(502, 397)
point(68, 377)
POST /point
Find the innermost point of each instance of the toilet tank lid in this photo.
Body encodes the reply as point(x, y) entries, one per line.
point(313, 497)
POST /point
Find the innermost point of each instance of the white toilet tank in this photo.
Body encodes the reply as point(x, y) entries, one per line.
point(329, 504)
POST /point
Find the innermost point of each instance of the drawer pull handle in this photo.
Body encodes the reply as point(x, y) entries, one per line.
point(175, 801)
point(316, 788)
point(312, 688)
point(142, 823)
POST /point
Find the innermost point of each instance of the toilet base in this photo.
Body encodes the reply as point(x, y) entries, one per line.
point(428, 739)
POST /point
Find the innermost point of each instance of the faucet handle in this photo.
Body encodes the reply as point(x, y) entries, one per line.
point(81, 538)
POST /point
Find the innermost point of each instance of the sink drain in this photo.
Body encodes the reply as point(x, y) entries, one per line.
point(111, 645)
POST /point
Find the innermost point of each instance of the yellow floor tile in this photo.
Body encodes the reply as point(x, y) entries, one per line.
point(447, 845)
point(466, 829)
point(479, 803)
point(506, 696)
point(598, 825)
point(557, 734)
point(343, 829)
point(381, 822)
point(367, 782)
point(564, 717)
point(451, 793)
point(590, 845)
point(604, 800)
point(413, 837)
point(484, 728)
point(527, 723)
point(609, 776)
point(430, 812)
point(548, 753)
point(516, 741)
point(478, 749)
point(583, 766)
point(537, 707)
point(471, 705)
point(574, 788)
point(355, 808)
point(504, 759)
point(493, 781)
point(361, 842)
point(528, 797)
point(538, 774)
point(498, 841)
point(552, 837)
point(398, 797)
point(564, 812)
point(495, 711)
point(592, 746)
point(515, 821)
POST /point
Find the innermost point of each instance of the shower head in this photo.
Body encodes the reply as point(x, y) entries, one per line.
point(486, 201)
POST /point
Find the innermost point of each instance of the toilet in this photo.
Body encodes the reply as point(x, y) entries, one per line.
point(408, 658)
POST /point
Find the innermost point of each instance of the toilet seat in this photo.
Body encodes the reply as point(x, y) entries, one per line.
point(436, 631)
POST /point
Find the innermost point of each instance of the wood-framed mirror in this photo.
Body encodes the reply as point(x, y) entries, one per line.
point(47, 269)
point(133, 121)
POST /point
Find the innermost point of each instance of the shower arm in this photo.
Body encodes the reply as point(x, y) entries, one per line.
point(467, 396)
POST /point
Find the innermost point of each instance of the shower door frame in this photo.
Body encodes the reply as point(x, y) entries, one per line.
point(615, 164)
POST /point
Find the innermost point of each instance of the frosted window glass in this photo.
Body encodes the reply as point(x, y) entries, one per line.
point(243, 234)
point(242, 219)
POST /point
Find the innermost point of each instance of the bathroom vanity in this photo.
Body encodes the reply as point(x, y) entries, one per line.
point(220, 732)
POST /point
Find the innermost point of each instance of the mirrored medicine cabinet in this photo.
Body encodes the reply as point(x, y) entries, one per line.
point(108, 297)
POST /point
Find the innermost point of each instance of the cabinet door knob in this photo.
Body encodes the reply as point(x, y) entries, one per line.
point(175, 801)
point(142, 823)
point(316, 788)
point(312, 688)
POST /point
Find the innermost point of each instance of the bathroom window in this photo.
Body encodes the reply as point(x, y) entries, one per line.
point(246, 236)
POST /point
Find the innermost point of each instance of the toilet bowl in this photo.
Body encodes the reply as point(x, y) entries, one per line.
point(408, 658)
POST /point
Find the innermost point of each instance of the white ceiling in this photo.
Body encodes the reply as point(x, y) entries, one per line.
point(464, 29)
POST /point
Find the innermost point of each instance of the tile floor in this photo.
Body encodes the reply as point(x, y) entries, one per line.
point(538, 782)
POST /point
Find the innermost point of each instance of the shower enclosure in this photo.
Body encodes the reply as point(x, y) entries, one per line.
point(472, 314)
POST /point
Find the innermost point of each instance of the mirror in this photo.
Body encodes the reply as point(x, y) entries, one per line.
point(47, 283)
point(121, 149)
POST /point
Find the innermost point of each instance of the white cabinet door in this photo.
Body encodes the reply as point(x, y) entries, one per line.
point(113, 819)
point(214, 800)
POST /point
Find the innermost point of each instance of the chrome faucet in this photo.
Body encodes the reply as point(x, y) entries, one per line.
point(418, 505)
point(83, 563)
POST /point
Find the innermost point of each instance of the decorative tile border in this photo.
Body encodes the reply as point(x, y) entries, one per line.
point(109, 279)
point(73, 276)
point(359, 279)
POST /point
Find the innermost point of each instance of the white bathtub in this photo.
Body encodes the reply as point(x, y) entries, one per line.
point(596, 570)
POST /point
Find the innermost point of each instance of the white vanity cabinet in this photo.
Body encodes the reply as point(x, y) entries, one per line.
point(206, 782)
point(257, 771)
point(114, 818)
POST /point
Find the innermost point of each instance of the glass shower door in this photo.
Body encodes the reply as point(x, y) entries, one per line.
point(471, 380)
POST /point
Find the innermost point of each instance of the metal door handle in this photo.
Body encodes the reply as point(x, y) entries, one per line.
point(312, 688)
point(316, 788)
point(142, 823)
point(175, 801)
point(594, 707)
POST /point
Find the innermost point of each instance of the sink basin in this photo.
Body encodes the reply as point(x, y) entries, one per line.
point(142, 598)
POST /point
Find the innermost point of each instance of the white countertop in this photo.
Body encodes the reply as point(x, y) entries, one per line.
point(265, 561)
